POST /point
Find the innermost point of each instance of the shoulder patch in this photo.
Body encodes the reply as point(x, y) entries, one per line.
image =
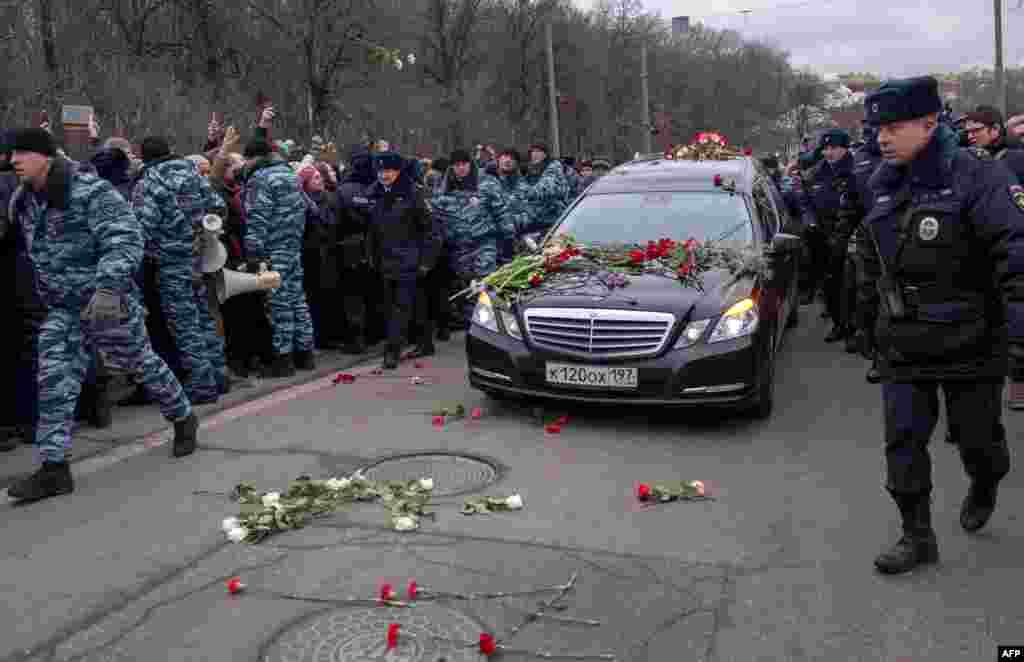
point(1017, 196)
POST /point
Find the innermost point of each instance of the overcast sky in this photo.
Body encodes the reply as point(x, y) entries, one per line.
point(891, 37)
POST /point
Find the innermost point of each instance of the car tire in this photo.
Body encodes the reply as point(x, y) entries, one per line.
point(762, 410)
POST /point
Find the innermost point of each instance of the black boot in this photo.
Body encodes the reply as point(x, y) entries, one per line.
point(280, 366)
point(853, 343)
point(836, 334)
point(52, 479)
point(978, 506)
point(425, 347)
point(444, 334)
point(9, 439)
point(304, 360)
point(873, 375)
point(101, 415)
point(240, 367)
point(392, 356)
point(918, 545)
point(185, 436)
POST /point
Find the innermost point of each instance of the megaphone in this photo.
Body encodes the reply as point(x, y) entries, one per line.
point(213, 255)
point(229, 283)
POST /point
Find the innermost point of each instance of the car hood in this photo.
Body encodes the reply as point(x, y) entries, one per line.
point(648, 292)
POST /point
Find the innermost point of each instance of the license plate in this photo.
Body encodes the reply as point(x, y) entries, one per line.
point(590, 375)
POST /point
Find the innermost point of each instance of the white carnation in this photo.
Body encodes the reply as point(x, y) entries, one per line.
point(398, 65)
point(337, 484)
point(272, 500)
point(229, 523)
point(411, 58)
point(514, 502)
point(238, 534)
point(427, 483)
point(405, 523)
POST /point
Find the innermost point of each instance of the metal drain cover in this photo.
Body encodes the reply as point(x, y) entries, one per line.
point(428, 633)
point(453, 474)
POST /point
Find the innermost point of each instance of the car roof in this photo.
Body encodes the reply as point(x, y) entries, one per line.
point(663, 175)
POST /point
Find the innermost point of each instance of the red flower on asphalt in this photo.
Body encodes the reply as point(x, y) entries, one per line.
point(439, 421)
point(552, 428)
point(476, 413)
point(488, 646)
point(234, 585)
point(636, 257)
point(643, 491)
point(344, 378)
point(393, 636)
point(562, 420)
point(387, 594)
point(414, 590)
point(536, 279)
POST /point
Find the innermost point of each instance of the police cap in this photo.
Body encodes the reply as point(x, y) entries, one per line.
point(903, 99)
point(835, 138)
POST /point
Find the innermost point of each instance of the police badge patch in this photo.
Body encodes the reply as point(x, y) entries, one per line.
point(928, 230)
point(1017, 195)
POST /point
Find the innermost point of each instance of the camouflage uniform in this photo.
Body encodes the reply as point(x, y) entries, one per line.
point(275, 210)
point(545, 195)
point(504, 207)
point(171, 199)
point(82, 236)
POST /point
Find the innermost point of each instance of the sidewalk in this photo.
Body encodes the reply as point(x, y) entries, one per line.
point(134, 423)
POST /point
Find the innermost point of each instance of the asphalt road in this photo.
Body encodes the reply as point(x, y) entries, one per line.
point(777, 567)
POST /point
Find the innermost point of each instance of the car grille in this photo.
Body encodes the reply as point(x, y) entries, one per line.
point(589, 332)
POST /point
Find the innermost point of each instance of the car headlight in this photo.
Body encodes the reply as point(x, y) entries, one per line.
point(486, 315)
point(693, 332)
point(740, 320)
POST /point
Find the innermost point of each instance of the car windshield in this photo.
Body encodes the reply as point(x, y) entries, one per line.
point(641, 217)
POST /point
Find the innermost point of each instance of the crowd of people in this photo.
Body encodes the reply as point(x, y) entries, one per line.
point(110, 257)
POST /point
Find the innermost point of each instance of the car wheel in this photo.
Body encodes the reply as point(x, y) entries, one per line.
point(794, 316)
point(766, 392)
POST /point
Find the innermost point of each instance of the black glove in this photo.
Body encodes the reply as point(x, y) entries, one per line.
point(1016, 362)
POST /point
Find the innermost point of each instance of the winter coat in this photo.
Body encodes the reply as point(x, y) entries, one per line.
point(80, 235)
point(403, 239)
point(353, 210)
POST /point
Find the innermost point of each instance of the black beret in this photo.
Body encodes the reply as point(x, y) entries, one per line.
point(460, 156)
point(835, 138)
point(257, 147)
point(155, 147)
point(903, 99)
point(32, 140)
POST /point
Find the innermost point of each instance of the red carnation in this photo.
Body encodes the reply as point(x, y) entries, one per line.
point(439, 421)
point(748, 152)
point(536, 279)
point(643, 491)
point(684, 269)
point(476, 413)
point(387, 594)
point(393, 636)
point(234, 585)
point(636, 257)
point(488, 646)
point(562, 420)
point(344, 378)
point(552, 428)
point(414, 591)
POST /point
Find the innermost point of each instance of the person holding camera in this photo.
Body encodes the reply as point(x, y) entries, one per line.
point(948, 235)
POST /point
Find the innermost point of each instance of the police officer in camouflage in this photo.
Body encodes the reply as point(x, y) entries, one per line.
point(86, 245)
point(275, 211)
point(948, 232)
point(171, 199)
point(544, 190)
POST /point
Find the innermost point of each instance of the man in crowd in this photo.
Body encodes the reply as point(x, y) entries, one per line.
point(865, 163)
point(275, 211)
point(353, 217)
point(171, 200)
point(86, 245)
point(948, 232)
point(544, 189)
point(502, 203)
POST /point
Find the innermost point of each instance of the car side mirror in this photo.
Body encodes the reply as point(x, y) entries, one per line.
point(785, 243)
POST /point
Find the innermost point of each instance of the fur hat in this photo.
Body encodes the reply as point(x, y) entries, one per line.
point(904, 99)
point(32, 140)
point(835, 138)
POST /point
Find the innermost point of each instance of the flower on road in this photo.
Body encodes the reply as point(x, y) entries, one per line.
point(427, 483)
point(414, 590)
point(234, 585)
point(392, 638)
point(237, 534)
point(344, 378)
point(490, 504)
point(337, 484)
point(387, 594)
point(488, 646)
point(230, 523)
point(405, 523)
point(687, 490)
point(514, 502)
point(272, 500)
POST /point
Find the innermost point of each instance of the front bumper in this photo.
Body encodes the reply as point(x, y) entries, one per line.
point(725, 374)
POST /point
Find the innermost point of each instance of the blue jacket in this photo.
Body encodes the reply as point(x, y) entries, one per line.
point(959, 264)
point(402, 233)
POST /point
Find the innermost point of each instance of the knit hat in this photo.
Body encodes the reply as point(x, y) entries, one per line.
point(32, 140)
point(460, 156)
point(256, 148)
point(155, 147)
point(904, 99)
point(389, 161)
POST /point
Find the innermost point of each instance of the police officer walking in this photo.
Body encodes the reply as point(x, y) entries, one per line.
point(833, 189)
point(86, 245)
point(948, 232)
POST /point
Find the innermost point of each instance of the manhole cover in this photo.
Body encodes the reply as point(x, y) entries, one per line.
point(428, 633)
point(452, 474)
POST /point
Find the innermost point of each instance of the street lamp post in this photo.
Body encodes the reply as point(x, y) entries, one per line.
point(997, 15)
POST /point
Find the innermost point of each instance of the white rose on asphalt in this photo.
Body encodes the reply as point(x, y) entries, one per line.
point(411, 58)
point(514, 502)
point(337, 484)
point(238, 534)
point(230, 523)
point(272, 500)
point(427, 483)
point(405, 524)
point(399, 65)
